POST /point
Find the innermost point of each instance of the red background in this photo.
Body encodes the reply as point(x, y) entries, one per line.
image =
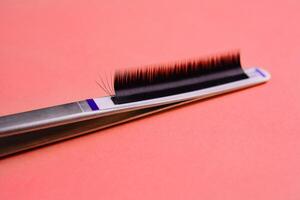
point(243, 145)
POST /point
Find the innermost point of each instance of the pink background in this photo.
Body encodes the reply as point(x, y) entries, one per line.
point(245, 145)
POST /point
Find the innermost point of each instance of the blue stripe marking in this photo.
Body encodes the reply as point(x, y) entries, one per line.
point(92, 104)
point(258, 71)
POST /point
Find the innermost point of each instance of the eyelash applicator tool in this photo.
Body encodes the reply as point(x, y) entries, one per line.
point(138, 93)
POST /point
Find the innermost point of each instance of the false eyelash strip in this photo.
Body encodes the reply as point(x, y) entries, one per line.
point(185, 76)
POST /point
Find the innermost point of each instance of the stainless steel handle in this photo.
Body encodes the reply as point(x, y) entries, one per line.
point(32, 139)
point(41, 118)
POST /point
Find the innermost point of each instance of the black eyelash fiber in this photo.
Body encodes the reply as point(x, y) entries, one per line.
point(184, 76)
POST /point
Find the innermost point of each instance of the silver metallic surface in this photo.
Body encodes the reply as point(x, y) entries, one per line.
point(38, 117)
point(84, 106)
